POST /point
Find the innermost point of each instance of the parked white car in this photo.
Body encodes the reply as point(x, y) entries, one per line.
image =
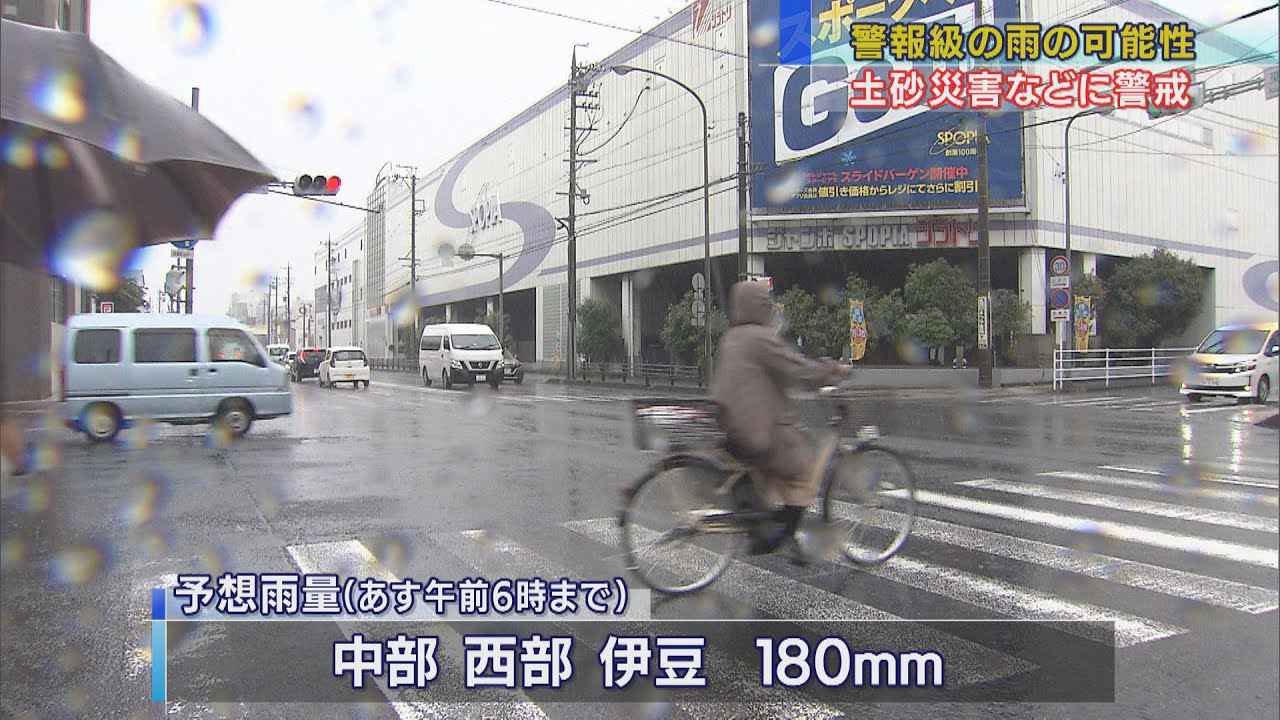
point(279, 353)
point(180, 369)
point(344, 364)
point(1237, 361)
point(460, 352)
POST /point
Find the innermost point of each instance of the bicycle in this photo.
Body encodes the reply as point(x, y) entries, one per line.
point(706, 524)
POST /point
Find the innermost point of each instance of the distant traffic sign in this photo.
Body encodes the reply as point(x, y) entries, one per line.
point(1059, 265)
point(184, 244)
point(1056, 315)
point(106, 306)
point(1059, 281)
point(699, 281)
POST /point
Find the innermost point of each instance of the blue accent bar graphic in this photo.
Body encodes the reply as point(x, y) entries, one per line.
point(795, 32)
point(157, 604)
point(159, 662)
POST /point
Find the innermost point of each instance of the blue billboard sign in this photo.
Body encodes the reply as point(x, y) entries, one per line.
point(813, 153)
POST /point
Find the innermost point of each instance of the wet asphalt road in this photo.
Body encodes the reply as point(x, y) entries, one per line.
point(1123, 504)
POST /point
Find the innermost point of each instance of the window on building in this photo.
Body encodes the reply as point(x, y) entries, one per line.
point(164, 346)
point(97, 347)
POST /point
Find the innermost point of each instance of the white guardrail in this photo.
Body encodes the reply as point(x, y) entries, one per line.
point(1109, 364)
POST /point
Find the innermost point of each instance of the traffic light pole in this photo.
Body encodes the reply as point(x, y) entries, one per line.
point(413, 254)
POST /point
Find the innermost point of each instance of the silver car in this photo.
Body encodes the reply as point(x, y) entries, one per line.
point(179, 369)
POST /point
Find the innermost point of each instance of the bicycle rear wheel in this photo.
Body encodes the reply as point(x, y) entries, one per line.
point(664, 531)
point(870, 500)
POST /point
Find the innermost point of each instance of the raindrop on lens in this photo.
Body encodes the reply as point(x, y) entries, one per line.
point(92, 250)
point(192, 26)
point(59, 94)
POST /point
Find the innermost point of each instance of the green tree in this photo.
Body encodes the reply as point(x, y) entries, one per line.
point(801, 310)
point(682, 338)
point(1151, 298)
point(938, 285)
point(599, 331)
point(128, 297)
point(886, 316)
point(1010, 317)
point(929, 326)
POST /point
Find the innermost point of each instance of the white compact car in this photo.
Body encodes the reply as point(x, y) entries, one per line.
point(1236, 361)
point(460, 352)
point(344, 364)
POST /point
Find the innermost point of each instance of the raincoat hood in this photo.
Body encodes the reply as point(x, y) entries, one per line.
point(749, 304)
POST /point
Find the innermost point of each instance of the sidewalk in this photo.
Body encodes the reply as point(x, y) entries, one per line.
point(888, 377)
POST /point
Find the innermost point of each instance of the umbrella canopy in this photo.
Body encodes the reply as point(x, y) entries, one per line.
point(96, 159)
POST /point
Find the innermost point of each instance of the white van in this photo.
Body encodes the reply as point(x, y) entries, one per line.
point(460, 352)
point(278, 353)
point(181, 369)
point(1236, 361)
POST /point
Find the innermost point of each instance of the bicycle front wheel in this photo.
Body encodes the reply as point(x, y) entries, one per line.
point(870, 501)
point(665, 532)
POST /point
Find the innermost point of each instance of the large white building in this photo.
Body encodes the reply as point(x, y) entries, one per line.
point(1201, 184)
point(338, 313)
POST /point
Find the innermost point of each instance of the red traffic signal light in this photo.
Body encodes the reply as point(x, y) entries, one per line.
point(317, 185)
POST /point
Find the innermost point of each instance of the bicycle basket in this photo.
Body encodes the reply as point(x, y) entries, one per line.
point(676, 424)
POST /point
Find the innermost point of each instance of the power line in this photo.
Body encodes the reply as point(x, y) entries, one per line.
point(611, 26)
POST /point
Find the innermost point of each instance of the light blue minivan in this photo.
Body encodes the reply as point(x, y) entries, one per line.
point(178, 369)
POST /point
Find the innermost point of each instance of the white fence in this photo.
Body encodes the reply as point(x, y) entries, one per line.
point(1107, 364)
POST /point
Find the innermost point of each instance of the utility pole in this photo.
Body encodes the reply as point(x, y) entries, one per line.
point(413, 252)
point(328, 290)
point(743, 224)
point(986, 364)
point(574, 86)
point(191, 261)
point(288, 305)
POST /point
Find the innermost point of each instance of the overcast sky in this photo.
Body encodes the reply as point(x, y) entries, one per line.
point(340, 86)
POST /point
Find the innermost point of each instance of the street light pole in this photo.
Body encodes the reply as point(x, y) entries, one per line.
point(1066, 220)
point(706, 200)
point(467, 252)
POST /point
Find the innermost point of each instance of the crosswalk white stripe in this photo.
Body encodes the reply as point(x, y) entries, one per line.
point(1017, 602)
point(791, 599)
point(1127, 504)
point(483, 549)
point(1250, 554)
point(1140, 575)
point(1208, 493)
point(1227, 479)
point(352, 558)
point(1198, 411)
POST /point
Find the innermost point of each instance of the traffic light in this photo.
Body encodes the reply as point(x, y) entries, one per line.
point(317, 185)
point(1195, 93)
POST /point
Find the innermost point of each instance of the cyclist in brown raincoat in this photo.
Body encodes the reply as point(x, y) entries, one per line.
point(754, 369)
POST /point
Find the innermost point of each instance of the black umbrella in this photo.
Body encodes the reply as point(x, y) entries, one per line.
point(97, 161)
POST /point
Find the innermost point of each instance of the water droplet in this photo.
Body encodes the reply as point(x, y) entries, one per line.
point(20, 151)
point(79, 564)
point(54, 156)
point(59, 94)
point(13, 553)
point(306, 113)
point(784, 189)
point(127, 145)
point(764, 33)
point(912, 351)
point(192, 26)
point(93, 249)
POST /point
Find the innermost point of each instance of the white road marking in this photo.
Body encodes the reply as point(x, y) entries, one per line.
point(1085, 401)
point(485, 551)
point(1127, 504)
point(1228, 479)
point(1017, 602)
point(1250, 554)
point(1197, 411)
point(1247, 460)
point(351, 557)
point(1208, 493)
point(1144, 576)
point(791, 599)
